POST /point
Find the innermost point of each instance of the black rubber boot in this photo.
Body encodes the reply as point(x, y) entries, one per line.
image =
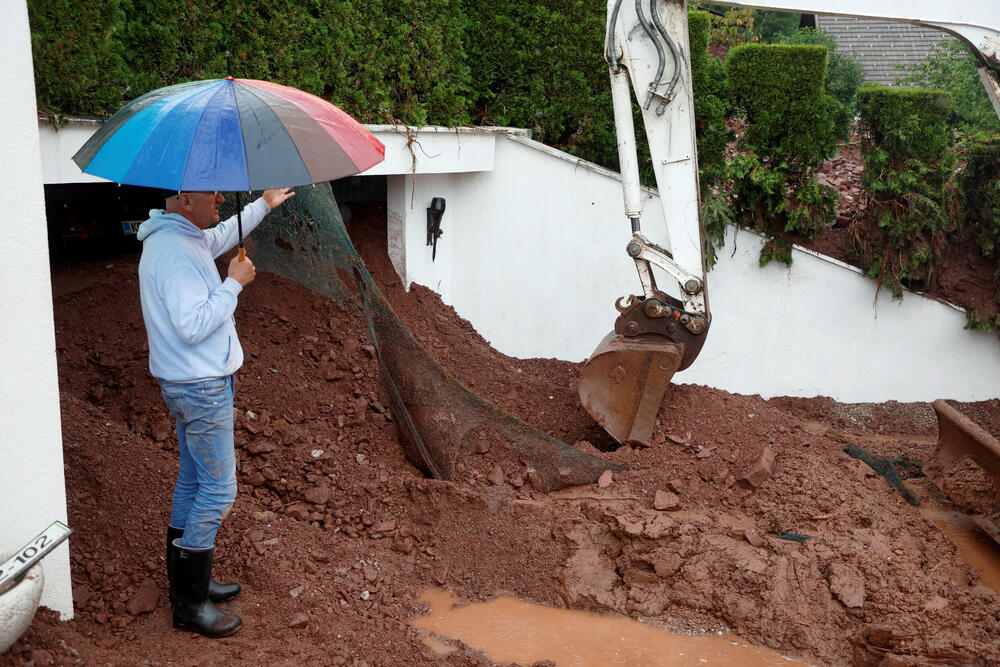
point(191, 570)
point(216, 592)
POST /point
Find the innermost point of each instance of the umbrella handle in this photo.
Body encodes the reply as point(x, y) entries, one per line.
point(239, 227)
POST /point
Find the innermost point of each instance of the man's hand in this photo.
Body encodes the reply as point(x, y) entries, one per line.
point(277, 196)
point(242, 272)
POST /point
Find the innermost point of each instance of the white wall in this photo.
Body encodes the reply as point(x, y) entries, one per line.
point(32, 489)
point(533, 255)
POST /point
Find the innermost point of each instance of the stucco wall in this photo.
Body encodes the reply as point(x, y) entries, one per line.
point(32, 489)
point(533, 255)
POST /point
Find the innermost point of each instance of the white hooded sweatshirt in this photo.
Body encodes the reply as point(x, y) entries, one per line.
point(187, 307)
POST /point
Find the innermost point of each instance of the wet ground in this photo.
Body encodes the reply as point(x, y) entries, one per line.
point(336, 538)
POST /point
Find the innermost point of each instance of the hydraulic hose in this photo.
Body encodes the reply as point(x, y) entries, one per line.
point(660, 55)
point(609, 43)
point(674, 51)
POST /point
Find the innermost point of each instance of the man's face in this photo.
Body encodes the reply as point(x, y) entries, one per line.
point(201, 208)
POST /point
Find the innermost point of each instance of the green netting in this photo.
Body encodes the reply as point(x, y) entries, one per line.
point(439, 420)
point(889, 469)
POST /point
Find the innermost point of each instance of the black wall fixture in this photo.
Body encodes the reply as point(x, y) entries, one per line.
point(434, 214)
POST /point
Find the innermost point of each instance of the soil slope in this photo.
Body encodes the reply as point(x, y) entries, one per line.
point(334, 535)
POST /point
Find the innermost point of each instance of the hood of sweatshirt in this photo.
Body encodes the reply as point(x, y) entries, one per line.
point(174, 222)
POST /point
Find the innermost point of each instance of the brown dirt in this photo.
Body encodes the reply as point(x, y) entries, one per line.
point(333, 534)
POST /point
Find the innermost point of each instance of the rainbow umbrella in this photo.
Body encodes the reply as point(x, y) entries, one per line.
point(228, 134)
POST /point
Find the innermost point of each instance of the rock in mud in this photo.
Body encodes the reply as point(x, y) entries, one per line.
point(318, 495)
point(81, 595)
point(162, 430)
point(666, 501)
point(658, 526)
point(847, 585)
point(604, 481)
point(300, 620)
point(145, 598)
point(496, 476)
point(762, 469)
point(255, 479)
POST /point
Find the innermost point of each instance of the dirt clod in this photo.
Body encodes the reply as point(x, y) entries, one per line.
point(667, 501)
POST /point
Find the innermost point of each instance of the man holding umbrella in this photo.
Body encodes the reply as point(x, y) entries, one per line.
point(194, 352)
point(194, 138)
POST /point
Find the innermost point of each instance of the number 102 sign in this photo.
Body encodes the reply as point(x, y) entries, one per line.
point(14, 568)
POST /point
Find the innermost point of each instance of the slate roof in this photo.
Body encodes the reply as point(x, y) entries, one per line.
point(881, 47)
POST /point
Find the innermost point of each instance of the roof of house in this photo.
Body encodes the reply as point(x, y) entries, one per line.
point(882, 48)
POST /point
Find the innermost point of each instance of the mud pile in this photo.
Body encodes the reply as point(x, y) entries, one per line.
point(333, 534)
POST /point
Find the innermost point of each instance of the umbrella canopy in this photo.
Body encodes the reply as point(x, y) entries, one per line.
point(228, 134)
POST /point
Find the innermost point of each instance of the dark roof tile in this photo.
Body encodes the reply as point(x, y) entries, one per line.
point(882, 48)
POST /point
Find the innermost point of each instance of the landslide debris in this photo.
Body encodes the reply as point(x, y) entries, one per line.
point(334, 535)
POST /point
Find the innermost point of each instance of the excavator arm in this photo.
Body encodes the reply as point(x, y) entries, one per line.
point(647, 50)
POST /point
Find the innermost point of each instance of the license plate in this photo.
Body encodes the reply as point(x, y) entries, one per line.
point(14, 568)
point(131, 227)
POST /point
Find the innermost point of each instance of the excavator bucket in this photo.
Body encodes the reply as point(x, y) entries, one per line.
point(622, 384)
point(959, 437)
point(443, 425)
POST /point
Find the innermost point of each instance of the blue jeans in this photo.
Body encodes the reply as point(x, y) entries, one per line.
point(206, 482)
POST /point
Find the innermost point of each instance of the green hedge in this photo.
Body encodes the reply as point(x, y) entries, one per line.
point(780, 88)
point(793, 125)
point(844, 74)
point(979, 184)
point(378, 60)
point(908, 168)
point(952, 68)
point(537, 65)
point(79, 61)
point(540, 65)
point(708, 76)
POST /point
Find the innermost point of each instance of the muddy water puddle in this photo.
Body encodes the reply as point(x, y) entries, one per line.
point(972, 543)
point(510, 630)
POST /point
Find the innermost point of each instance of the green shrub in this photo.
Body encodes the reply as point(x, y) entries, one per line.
point(708, 76)
point(907, 177)
point(844, 74)
point(378, 60)
point(979, 184)
point(78, 60)
point(771, 26)
point(732, 28)
point(979, 187)
point(952, 68)
point(793, 125)
point(541, 65)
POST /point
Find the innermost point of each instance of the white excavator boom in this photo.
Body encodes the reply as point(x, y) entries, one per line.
point(656, 333)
